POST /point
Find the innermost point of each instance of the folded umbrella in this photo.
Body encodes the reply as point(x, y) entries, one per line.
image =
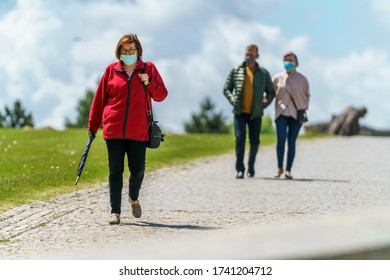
point(84, 156)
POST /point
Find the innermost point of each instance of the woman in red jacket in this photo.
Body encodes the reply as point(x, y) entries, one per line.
point(120, 107)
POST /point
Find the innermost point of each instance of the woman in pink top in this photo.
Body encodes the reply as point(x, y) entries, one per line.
point(292, 94)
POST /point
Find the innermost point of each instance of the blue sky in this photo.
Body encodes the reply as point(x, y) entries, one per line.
point(326, 22)
point(52, 51)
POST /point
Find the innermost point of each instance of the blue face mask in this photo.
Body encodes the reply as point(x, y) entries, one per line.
point(289, 66)
point(250, 59)
point(128, 59)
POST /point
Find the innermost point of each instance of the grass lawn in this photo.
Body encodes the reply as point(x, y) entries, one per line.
point(40, 164)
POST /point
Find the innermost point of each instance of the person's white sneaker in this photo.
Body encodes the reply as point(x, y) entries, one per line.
point(288, 175)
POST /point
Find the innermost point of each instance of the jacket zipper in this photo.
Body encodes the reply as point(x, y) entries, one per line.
point(127, 107)
point(127, 101)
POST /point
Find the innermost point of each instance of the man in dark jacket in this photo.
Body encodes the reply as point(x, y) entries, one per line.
point(250, 90)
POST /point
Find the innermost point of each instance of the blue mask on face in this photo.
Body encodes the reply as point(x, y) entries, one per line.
point(250, 59)
point(128, 59)
point(289, 66)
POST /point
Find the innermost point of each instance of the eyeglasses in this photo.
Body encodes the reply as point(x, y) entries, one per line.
point(128, 51)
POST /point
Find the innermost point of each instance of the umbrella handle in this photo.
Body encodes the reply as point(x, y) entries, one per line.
point(77, 180)
point(92, 136)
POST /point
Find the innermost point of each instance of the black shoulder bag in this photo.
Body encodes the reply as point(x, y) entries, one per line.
point(155, 134)
point(301, 114)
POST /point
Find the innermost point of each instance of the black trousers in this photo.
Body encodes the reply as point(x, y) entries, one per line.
point(254, 126)
point(135, 151)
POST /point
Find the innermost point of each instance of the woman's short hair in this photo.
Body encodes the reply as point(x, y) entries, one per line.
point(293, 54)
point(128, 38)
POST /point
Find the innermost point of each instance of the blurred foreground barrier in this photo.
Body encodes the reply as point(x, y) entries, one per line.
point(361, 235)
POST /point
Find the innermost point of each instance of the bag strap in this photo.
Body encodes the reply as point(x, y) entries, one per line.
point(292, 99)
point(149, 111)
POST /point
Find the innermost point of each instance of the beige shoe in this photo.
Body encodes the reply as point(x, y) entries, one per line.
point(135, 208)
point(114, 219)
point(288, 175)
point(278, 173)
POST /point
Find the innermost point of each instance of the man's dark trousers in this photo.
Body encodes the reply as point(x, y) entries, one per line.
point(254, 128)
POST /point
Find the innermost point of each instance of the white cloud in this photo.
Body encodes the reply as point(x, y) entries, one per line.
point(55, 52)
point(43, 64)
point(382, 9)
point(359, 79)
point(66, 48)
point(204, 72)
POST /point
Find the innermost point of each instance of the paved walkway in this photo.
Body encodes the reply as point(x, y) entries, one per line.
point(333, 176)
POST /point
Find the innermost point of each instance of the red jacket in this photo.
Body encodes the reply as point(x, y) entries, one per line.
point(119, 105)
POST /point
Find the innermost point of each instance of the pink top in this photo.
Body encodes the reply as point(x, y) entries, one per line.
point(287, 86)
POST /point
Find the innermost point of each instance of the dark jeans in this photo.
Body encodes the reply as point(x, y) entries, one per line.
point(254, 128)
point(286, 128)
point(135, 150)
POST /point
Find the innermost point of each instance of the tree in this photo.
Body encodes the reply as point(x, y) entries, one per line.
point(207, 121)
point(2, 118)
point(16, 117)
point(83, 111)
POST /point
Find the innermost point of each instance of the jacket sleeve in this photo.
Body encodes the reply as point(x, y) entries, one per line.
point(156, 87)
point(228, 88)
point(98, 103)
point(275, 83)
point(269, 90)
